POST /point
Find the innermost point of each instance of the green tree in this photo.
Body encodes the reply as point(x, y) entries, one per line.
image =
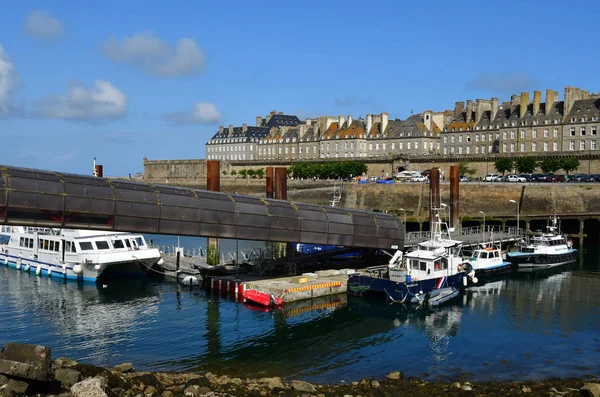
point(224, 172)
point(504, 164)
point(463, 169)
point(569, 164)
point(243, 173)
point(251, 173)
point(550, 165)
point(260, 173)
point(526, 165)
point(233, 172)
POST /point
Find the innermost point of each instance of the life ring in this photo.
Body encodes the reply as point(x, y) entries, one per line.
point(459, 268)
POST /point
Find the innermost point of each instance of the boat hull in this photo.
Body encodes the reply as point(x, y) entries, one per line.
point(533, 260)
point(401, 291)
point(87, 272)
point(504, 268)
point(262, 298)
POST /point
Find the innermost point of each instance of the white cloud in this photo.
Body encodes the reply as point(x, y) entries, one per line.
point(203, 113)
point(103, 101)
point(9, 79)
point(155, 56)
point(42, 25)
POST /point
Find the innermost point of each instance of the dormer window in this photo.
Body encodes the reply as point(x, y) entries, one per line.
point(583, 119)
point(573, 119)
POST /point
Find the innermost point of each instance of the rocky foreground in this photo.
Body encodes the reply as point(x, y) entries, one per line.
point(27, 370)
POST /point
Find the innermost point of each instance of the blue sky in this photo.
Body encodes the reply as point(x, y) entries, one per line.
point(123, 80)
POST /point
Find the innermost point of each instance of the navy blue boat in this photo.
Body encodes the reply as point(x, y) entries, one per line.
point(432, 274)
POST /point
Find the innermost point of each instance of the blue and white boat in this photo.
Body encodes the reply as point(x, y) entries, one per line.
point(431, 274)
point(75, 254)
point(549, 248)
point(487, 261)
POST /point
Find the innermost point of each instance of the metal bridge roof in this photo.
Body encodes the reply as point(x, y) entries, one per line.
point(32, 197)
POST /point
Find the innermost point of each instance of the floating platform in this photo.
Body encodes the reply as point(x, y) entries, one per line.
point(288, 288)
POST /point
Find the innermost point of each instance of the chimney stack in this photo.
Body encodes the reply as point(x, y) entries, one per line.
point(524, 103)
point(537, 99)
point(494, 109)
point(551, 98)
point(459, 108)
point(341, 121)
point(221, 129)
point(369, 123)
point(469, 117)
point(427, 115)
point(514, 102)
point(572, 94)
point(258, 121)
point(308, 122)
point(302, 128)
point(478, 110)
point(384, 122)
point(349, 120)
point(244, 128)
point(230, 129)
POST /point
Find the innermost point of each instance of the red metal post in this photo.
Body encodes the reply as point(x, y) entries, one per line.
point(269, 182)
point(281, 183)
point(213, 177)
point(434, 188)
point(454, 194)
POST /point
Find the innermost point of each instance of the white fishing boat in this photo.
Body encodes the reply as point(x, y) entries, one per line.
point(75, 254)
point(432, 274)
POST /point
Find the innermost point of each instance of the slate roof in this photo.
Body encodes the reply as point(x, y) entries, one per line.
point(354, 130)
point(282, 120)
point(238, 132)
point(584, 107)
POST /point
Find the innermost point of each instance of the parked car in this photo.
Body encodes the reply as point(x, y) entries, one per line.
point(515, 178)
point(577, 178)
point(463, 178)
point(528, 177)
point(421, 178)
point(491, 177)
point(559, 178)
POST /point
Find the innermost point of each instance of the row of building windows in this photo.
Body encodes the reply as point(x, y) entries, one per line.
point(546, 146)
point(232, 148)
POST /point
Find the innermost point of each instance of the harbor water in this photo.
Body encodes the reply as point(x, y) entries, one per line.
point(527, 326)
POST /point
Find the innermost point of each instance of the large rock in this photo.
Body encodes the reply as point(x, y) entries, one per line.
point(272, 383)
point(396, 375)
point(196, 391)
point(67, 377)
point(303, 386)
point(3, 380)
point(25, 361)
point(92, 387)
point(125, 367)
point(63, 362)
point(17, 386)
point(590, 390)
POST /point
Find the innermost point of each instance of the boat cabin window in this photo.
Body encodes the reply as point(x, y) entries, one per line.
point(423, 266)
point(26, 242)
point(102, 245)
point(444, 263)
point(69, 246)
point(140, 241)
point(86, 245)
point(127, 244)
point(118, 244)
point(414, 264)
point(496, 254)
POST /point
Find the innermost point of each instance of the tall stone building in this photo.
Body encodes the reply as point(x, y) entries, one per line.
point(477, 129)
point(523, 126)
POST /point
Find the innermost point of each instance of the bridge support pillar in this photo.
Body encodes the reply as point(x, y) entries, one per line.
point(269, 182)
point(454, 197)
point(213, 183)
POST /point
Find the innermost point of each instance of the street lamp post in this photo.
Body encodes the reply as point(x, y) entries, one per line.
point(518, 213)
point(481, 212)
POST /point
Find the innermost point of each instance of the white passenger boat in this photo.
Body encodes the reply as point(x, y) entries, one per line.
point(549, 248)
point(75, 254)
